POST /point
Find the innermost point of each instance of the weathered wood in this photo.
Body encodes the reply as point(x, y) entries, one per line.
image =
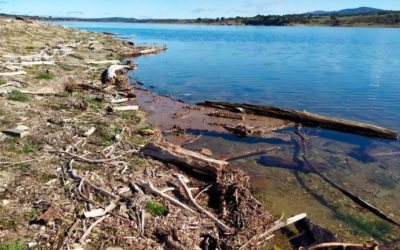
point(102, 62)
point(122, 100)
point(126, 108)
point(114, 71)
point(175, 154)
point(34, 63)
point(16, 73)
point(41, 92)
point(15, 132)
point(309, 119)
point(277, 225)
point(201, 210)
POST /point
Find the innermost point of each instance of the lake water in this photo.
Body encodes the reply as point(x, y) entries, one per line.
point(344, 72)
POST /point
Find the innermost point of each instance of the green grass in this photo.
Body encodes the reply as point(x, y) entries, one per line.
point(146, 127)
point(106, 133)
point(12, 245)
point(44, 76)
point(23, 167)
point(94, 103)
point(66, 67)
point(155, 208)
point(112, 56)
point(16, 95)
point(30, 146)
point(2, 82)
point(29, 48)
point(378, 228)
point(384, 180)
point(33, 214)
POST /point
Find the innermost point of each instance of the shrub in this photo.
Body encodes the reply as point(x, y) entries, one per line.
point(12, 245)
point(155, 208)
point(16, 95)
point(71, 85)
point(44, 76)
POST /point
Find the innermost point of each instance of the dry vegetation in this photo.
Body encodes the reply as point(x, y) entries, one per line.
point(81, 155)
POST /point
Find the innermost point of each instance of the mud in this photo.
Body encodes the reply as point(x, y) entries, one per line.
point(173, 117)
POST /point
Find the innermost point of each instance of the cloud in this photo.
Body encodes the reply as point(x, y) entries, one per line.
point(203, 10)
point(75, 12)
point(256, 7)
point(3, 2)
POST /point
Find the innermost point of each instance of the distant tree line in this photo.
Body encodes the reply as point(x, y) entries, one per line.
point(384, 18)
point(388, 18)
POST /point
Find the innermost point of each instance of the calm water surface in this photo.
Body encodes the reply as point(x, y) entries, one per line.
point(345, 72)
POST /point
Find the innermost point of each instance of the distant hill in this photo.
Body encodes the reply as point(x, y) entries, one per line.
point(355, 11)
point(358, 17)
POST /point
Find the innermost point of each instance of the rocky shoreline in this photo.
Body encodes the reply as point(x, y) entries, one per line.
point(91, 161)
point(71, 172)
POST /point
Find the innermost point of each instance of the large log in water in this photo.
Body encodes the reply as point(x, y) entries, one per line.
point(175, 154)
point(310, 119)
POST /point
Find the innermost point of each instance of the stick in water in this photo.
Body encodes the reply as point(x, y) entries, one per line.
point(353, 197)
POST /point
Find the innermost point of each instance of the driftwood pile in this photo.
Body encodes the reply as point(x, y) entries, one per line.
point(239, 220)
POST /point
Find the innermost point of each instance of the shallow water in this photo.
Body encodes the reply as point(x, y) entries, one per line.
point(344, 72)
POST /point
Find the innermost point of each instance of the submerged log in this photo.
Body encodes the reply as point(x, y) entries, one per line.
point(246, 154)
point(189, 159)
point(310, 119)
point(304, 143)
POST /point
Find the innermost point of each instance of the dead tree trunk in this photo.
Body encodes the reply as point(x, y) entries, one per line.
point(175, 154)
point(309, 119)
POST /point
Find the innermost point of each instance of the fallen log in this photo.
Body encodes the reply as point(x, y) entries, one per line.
point(103, 62)
point(175, 154)
point(16, 73)
point(34, 63)
point(114, 71)
point(309, 119)
point(271, 161)
point(126, 108)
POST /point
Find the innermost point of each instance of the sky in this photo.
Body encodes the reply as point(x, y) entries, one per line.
point(180, 8)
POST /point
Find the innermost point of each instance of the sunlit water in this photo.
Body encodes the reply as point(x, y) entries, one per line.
point(344, 72)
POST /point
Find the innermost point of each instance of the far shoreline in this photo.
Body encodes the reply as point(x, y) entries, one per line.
point(233, 25)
